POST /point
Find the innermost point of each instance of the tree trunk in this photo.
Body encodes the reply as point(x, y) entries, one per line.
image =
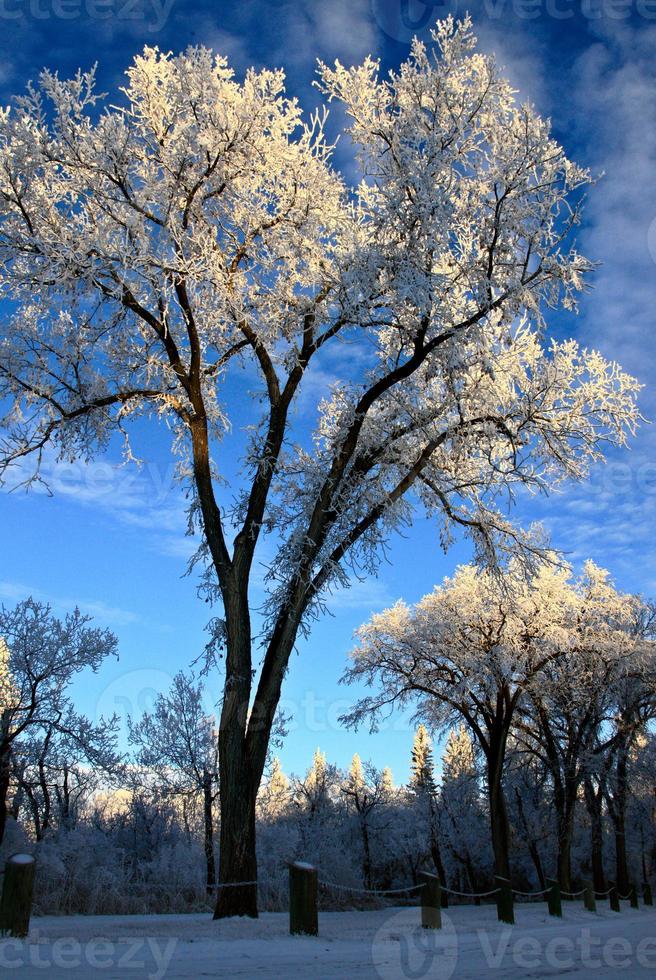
point(5, 777)
point(436, 852)
point(593, 800)
point(565, 834)
point(621, 863)
point(619, 820)
point(237, 855)
point(565, 861)
point(208, 826)
point(531, 843)
point(366, 852)
point(499, 825)
point(565, 793)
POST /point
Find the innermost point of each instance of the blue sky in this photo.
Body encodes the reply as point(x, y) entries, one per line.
point(111, 539)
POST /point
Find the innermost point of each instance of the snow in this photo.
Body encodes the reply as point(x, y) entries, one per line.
point(385, 944)
point(22, 859)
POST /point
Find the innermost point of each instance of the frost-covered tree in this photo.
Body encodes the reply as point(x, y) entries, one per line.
point(422, 766)
point(366, 791)
point(55, 774)
point(45, 655)
point(177, 742)
point(316, 793)
point(423, 792)
point(633, 703)
point(6, 683)
point(274, 798)
point(568, 712)
point(467, 652)
point(462, 819)
point(530, 806)
point(155, 244)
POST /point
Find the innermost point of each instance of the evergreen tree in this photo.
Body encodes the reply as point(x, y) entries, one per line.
point(458, 761)
point(387, 783)
point(461, 820)
point(422, 779)
point(276, 793)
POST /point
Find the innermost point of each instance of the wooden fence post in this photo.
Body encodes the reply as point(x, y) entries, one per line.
point(303, 916)
point(554, 898)
point(431, 901)
point(613, 898)
point(504, 896)
point(589, 897)
point(17, 892)
point(633, 895)
point(647, 897)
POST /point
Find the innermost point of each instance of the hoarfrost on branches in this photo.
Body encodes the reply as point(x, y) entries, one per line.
point(154, 243)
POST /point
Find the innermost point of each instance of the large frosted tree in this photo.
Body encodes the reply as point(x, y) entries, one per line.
point(156, 243)
point(470, 651)
point(493, 650)
point(573, 715)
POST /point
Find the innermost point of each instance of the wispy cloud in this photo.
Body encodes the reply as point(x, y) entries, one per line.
point(369, 594)
point(103, 612)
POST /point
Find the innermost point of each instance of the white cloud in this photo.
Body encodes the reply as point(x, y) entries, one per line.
point(103, 612)
point(370, 594)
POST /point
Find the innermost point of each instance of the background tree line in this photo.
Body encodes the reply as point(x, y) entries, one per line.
point(135, 831)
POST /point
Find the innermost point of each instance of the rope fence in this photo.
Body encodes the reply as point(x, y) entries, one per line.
point(545, 891)
point(369, 891)
point(230, 884)
point(451, 891)
point(305, 880)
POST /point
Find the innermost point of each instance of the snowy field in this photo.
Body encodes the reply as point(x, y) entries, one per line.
point(384, 944)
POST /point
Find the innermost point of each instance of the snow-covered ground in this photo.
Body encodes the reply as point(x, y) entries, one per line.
point(383, 944)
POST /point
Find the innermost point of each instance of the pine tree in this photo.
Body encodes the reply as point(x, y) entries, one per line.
point(315, 792)
point(276, 793)
point(387, 783)
point(422, 779)
point(461, 818)
point(458, 761)
point(356, 781)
